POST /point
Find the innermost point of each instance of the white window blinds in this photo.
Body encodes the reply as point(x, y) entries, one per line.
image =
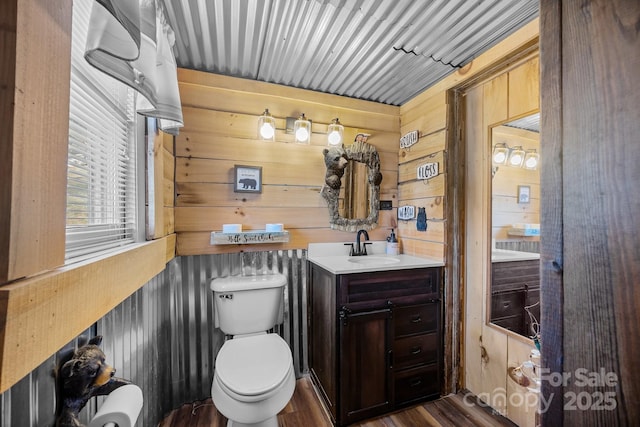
point(101, 186)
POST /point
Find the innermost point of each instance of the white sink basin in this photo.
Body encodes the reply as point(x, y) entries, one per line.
point(334, 258)
point(374, 260)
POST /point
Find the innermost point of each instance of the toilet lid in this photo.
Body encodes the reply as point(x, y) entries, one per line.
point(253, 365)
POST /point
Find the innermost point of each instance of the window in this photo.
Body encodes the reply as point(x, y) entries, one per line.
point(101, 176)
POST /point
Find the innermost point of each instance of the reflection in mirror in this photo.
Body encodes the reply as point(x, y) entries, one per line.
point(356, 196)
point(353, 203)
point(515, 226)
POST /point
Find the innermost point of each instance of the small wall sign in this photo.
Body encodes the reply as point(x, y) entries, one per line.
point(247, 179)
point(428, 170)
point(406, 212)
point(409, 139)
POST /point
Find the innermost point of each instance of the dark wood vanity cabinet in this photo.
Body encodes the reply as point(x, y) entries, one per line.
point(514, 286)
point(375, 340)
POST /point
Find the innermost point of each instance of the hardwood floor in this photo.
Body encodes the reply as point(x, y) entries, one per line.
point(305, 410)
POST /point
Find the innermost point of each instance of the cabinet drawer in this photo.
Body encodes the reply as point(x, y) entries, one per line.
point(414, 351)
point(416, 319)
point(363, 291)
point(417, 383)
point(507, 304)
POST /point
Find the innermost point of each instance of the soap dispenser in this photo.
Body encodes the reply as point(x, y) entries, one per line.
point(392, 244)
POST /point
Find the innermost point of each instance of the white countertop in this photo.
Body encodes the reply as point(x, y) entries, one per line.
point(334, 257)
point(505, 255)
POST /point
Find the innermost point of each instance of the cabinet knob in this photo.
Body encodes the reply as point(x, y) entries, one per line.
point(416, 350)
point(416, 320)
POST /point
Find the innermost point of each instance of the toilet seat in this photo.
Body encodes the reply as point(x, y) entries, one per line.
point(251, 368)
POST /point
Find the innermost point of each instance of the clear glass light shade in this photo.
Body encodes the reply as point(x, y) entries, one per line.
point(531, 159)
point(266, 126)
point(516, 157)
point(335, 132)
point(302, 130)
point(500, 153)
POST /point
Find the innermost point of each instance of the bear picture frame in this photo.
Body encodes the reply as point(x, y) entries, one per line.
point(247, 179)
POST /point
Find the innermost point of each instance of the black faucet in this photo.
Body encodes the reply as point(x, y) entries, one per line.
point(361, 249)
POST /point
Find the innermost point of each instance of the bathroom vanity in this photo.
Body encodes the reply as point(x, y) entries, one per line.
point(515, 284)
point(375, 333)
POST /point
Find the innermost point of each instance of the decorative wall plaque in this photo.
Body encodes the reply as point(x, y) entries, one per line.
point(409, 139)
point(249, 237)
point(406, 212)
point(428, 170)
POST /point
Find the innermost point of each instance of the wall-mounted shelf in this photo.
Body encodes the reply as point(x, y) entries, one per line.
point(249, 237)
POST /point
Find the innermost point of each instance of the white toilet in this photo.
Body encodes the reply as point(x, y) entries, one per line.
point(254, 377)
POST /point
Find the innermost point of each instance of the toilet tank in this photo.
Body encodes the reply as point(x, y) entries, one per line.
point(248, 304)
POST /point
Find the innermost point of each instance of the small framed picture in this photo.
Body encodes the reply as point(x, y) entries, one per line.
point(524, 192)
point(247, 179)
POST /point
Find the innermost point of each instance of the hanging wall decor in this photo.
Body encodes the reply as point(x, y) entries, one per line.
point(247, 179)
point(421, 223)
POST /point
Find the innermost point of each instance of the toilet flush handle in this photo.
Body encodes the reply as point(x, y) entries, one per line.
point(225, 296)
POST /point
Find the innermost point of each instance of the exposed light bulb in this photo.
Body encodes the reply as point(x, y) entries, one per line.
point(334, 138)
point(500, 153)
point(302, 130)
point(531, 163)
point(266, 126)
point(531, 159)
point(302, 134)
point(500, 157)
point(334, 132)
point(516, 159)
point(267, 131)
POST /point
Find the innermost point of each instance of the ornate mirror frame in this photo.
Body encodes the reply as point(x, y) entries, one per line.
point(364, 153)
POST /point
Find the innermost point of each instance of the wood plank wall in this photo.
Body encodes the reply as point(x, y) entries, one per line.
point(221, 115)
point(161, 187)
point(505, 209)
point(44, 304)
point(33, 108)
point(433, 114)
point(429, 118)
point(488, 350)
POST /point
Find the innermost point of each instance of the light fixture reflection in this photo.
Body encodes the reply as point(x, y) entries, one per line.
point(516, 157)
point(302, 130)
point(335, 132)
point(266, 126)
point(531, 159)
point(500, 153)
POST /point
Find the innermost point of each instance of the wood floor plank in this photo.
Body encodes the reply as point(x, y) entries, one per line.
point(305, 409)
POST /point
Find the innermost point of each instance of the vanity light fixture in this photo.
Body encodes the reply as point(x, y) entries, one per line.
point(531, 159)
point(335, 132)
point(500, 153)
point(302, 130)
point(516, 156)
point(266, 126)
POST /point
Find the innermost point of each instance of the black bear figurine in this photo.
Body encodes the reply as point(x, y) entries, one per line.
point(82, 374)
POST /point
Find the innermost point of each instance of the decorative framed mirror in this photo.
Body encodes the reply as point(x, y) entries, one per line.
point(352, 186)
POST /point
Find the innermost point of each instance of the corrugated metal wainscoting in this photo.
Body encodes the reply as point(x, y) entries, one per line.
point(163, 337)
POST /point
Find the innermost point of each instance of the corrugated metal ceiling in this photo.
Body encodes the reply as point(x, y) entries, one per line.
point(386, 51)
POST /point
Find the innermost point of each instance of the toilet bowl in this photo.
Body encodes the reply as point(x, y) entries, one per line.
point(254, 377)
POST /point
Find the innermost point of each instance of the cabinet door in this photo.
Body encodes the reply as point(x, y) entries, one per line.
point(365, 359)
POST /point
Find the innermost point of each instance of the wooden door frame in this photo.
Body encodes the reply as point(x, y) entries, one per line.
point(455, 159)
